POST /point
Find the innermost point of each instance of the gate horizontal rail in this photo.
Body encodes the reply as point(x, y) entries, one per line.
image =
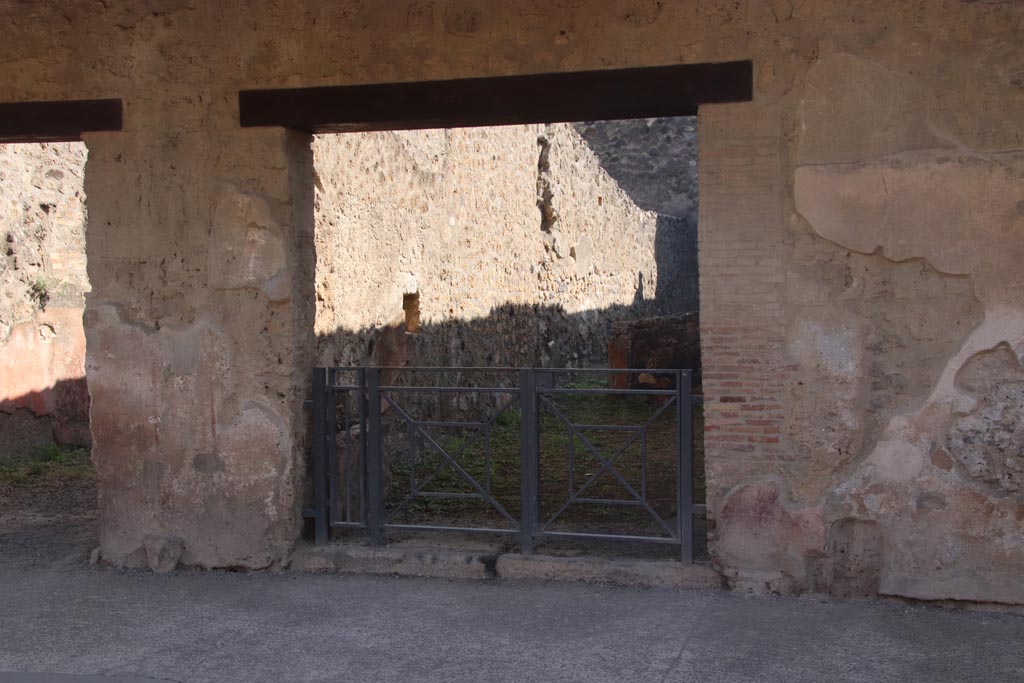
point(348, 451)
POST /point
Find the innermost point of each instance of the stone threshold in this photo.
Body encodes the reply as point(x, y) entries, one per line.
point(485, 562)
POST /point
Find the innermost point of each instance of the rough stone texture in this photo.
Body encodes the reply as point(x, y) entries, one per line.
point(199, 331)
point(655, 162)
point(42, 230)
point(899, 192)
point(876, 334)
point(452, 216)
point(459, 558)
point(989, 443)
point(676, 249)
point(892, 131)
point(42, 292)
point(162, 553)
point(399, 560)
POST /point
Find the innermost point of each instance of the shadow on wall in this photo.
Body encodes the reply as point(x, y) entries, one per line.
point(512, 335)
point(43, 393)
point(675, 253)
point(57, 414)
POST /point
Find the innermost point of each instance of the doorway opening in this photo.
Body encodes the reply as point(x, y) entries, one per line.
point(523, 100)
point(559, 246)
point(47, 482)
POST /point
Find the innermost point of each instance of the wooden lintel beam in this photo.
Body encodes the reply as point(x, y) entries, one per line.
point(540, 98)
point(57, 121)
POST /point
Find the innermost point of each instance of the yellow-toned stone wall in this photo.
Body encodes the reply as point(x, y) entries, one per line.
point(457, 218)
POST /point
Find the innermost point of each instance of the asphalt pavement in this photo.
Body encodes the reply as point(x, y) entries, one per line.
point(97, 625)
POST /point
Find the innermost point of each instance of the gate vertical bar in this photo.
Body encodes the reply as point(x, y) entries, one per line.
point(331, 434)
point(684, 493)
point(363, 461)
point(375, 464)
point(529, 456)
point(320, 516)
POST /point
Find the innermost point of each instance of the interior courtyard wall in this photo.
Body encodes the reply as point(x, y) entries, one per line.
point(873, 179)
point(519, 247)
point(655, 161)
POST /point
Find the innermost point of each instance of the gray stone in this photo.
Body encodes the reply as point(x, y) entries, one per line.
point(618, 572)
point(653, 160)
point(989, 443)
point(163, 553)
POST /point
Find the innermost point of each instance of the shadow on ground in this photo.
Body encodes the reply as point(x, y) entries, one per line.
point(47, 510)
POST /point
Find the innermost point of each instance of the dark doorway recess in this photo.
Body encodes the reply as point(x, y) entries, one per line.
point(57, 121)
point(502, 100)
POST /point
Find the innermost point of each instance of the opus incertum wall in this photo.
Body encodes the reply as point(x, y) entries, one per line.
point(520, 249)
point(861, 313)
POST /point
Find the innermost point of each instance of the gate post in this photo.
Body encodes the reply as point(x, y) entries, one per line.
point(375, 464)
point(684, 482)
point(320, 519)
point(529, 456)
point(331, 434)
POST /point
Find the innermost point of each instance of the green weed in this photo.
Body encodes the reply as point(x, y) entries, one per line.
point(47, 460)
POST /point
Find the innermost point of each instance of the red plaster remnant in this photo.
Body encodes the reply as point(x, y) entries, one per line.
point(42, 370)
point(758, 531)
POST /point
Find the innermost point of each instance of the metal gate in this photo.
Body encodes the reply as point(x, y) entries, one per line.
point(384, 456)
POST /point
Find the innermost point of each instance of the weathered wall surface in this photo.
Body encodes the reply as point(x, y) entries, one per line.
point(873, 180)
point(655, 162)
point(520, 247)
point(42, 294)
point(199, 334)
point(935, 200)
point(885, 461)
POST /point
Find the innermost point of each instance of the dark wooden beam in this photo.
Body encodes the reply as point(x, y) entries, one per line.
point(540, 98)
point(59, 121)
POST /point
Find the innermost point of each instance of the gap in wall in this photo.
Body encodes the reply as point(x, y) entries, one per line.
point(545, 245)
point(550, 232)
point(47, 482)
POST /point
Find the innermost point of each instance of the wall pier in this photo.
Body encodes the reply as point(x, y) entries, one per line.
point(199, 334)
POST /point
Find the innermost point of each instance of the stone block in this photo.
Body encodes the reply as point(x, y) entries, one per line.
point(619, 572)
point(163, 553)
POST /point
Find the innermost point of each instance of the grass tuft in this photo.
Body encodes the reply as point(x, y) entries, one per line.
point(50, 460)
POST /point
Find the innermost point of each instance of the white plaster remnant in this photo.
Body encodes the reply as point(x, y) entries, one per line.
point(246, 249)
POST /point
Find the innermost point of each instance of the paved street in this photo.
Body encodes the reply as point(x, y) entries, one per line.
point(69, 618)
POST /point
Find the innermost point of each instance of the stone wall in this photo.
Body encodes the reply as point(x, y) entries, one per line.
point(518, 246)
point(655, 162)
point(42, 294)
point(863, 325)
point(873, 180)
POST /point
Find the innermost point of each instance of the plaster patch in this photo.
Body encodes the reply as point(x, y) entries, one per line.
point(958, 212)
point(246, 249)
point(896, 461)
point(854, 109)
